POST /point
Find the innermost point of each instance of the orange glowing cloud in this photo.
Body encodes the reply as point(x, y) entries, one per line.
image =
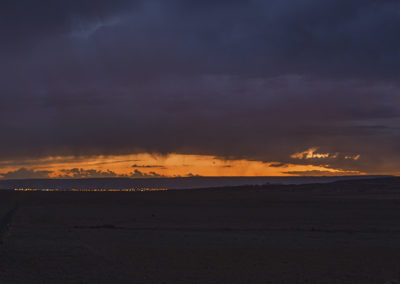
point(311, 153)
point(154, 165)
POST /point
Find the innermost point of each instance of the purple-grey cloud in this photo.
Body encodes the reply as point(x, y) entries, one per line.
point(24, 173)
point(254, 79)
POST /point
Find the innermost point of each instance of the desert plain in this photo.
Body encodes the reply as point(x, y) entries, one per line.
point(341, 232)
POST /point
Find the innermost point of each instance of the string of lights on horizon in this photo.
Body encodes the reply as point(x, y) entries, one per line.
point(90, 190)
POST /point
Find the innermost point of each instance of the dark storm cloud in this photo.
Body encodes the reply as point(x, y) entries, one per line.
point(139, 174)
point(148, 166)
point(24, 173)
point(278, 165)
point(90, 173)
point(254, 79)
point(26, 21)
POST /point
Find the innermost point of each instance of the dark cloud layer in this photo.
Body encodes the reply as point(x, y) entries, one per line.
point(23, 173)
point(148, 166)
point(255, 79)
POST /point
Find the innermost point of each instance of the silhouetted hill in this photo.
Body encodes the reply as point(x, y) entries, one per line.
point(174, 183)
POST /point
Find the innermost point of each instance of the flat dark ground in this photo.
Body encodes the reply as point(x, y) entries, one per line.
point(345, 232)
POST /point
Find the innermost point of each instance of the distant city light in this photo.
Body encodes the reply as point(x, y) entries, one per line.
point(91, 190)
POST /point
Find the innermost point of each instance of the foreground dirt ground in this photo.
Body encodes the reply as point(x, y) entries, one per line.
point(243, 235)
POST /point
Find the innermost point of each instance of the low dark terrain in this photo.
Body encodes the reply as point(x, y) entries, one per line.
point(342, 232)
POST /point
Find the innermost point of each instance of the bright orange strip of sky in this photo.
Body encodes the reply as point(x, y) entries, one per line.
point(167, 165)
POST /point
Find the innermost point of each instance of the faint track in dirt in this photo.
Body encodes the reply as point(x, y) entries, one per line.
point(6, 221)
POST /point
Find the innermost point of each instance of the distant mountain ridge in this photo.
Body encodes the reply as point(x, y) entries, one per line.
point(169, 183)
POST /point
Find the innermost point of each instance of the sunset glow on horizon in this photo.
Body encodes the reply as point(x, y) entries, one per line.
point(146, 165)
point(219, 88)
point(199, 141)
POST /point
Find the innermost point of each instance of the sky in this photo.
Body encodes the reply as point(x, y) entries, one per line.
point(215, 88)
